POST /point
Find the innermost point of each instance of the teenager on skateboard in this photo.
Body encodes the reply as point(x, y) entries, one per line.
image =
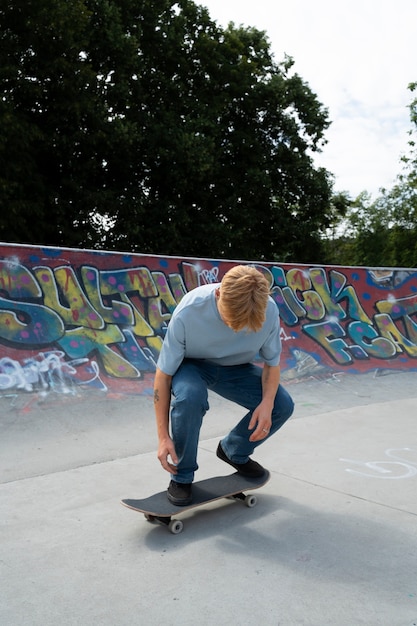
point(215, 333)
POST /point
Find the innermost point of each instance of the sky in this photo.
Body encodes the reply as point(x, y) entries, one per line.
point(359, 58)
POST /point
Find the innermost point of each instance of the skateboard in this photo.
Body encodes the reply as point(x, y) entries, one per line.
point(158, 508)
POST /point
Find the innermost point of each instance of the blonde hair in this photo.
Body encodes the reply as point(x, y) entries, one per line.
point(244, 293)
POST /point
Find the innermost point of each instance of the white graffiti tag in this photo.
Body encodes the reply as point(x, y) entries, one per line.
point(47, 371)
point(394, 469)
point(206, 277)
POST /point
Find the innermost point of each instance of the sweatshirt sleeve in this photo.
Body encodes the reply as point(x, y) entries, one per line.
point(173, 348)
point(270, 351)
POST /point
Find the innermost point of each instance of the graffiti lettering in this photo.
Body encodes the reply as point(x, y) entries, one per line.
point(48, 371)
point(113, 311)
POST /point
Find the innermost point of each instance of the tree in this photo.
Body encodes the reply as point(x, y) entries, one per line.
point(55, 128)
point(382, 232)
point(146, 127)
point(379, 233)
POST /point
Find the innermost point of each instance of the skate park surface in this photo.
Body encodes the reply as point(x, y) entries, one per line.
point(332, 540)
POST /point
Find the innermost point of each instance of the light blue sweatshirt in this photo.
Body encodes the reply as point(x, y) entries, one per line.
point(196, 331)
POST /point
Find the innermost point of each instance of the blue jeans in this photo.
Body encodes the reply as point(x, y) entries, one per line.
point(241, 384)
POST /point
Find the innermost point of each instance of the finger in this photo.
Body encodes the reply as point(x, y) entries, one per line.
point(174, 457)
point(167, 456)
point(172, 462)
point(164, 457)
point(256, 435)
point(169, 467)
point(253, 421)
point(259, 433)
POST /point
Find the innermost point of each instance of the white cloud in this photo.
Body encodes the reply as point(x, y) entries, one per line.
point(359, 58)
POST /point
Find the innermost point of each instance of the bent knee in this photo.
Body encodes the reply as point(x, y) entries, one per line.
point(192, 396)
point(284, 405)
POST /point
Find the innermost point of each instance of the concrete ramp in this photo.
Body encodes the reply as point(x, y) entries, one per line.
point(332, 540)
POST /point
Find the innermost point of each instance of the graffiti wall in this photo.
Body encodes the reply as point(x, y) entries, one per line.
point(74, 320)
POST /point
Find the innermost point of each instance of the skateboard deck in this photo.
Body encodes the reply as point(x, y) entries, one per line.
point(157, 508)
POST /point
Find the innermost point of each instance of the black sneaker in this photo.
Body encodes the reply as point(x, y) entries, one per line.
point(179, 493)
point(251, 468)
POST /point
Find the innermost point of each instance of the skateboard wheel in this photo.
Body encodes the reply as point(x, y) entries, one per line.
point(176, 526)
point(251, 501)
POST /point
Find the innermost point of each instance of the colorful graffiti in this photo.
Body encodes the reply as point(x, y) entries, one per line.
point(78, 318)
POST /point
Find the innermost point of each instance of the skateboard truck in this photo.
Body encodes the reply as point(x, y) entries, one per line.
point(176, 526)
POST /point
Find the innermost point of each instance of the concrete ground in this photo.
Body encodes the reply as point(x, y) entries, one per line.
point(332, 541)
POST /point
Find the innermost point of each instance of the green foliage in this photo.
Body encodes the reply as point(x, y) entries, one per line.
point(144, 126)
point(50, 141)
point(383, 232)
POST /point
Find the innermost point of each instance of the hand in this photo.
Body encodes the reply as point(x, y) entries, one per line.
point(261, 421)
point(167, 455)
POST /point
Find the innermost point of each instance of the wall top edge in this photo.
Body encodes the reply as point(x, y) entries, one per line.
point(207, 259)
